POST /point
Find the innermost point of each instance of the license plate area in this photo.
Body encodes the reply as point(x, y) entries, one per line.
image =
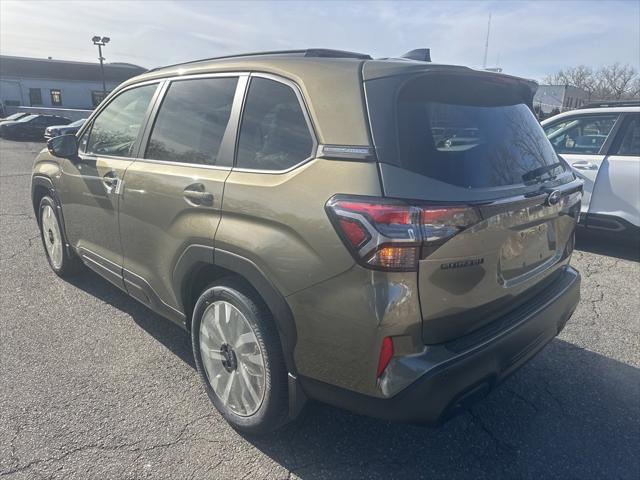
point(526, 251)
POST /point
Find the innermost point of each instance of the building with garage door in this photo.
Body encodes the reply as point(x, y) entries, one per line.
point(48, 83)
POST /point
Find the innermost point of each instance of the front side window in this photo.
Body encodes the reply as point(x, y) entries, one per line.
point(192, 120)
point(115, 130)
point(580, 135)
point(630, 143)
point(56, 97)
point(274, 134)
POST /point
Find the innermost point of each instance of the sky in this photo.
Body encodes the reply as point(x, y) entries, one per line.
point(529, 39)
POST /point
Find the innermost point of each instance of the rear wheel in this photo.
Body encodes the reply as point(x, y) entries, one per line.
point(62, 262)
point(239, 358)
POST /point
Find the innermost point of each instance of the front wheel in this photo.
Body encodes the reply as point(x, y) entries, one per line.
point(239, 358)
point(62, 262)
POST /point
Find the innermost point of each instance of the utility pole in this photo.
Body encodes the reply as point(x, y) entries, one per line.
point(486, 44)
point(101, 42)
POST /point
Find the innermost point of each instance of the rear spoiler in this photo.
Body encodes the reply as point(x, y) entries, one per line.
point(524, 88)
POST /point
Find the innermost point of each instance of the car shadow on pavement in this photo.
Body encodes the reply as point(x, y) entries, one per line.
point(569, 413)
point(166, 332)
point(602, 243)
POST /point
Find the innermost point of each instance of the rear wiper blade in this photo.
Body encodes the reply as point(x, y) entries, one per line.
point(538, 172)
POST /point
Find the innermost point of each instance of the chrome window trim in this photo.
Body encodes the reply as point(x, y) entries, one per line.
point(166, 84)
point(181, 164)
point(305, 112)
point(160, 94)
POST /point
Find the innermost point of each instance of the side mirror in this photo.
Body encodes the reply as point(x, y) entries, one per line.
point(64, 146)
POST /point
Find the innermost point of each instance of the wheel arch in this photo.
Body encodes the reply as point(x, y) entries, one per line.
point(41, 186)
point(199, 265)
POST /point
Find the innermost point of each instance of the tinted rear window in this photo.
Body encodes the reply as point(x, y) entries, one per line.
point(468, 133)
point(474, 147)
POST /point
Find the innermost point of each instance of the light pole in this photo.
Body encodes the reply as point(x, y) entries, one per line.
point(101, 42)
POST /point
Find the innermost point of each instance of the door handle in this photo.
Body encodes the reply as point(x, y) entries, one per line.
point(197, 195)
point(584, 165)
point(110, 181)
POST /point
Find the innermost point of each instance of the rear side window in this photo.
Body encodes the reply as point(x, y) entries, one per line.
point(192, 121)
point(580, 134)
point(474, 132)
point(274, 134)
point(115, 130)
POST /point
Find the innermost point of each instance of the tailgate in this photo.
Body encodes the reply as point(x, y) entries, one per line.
point(496, 265)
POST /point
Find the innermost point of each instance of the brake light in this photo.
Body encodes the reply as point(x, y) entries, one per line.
point(386, 352)
point(393, 235)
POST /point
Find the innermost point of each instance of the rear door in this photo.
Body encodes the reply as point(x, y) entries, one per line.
point(582, 140)
point(172, 194)
point(616, 192)
point(501, 207)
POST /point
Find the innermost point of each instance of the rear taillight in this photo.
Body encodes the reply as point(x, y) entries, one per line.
point(392, 234)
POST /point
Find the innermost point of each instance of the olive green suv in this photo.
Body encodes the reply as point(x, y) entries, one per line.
point(390, 236)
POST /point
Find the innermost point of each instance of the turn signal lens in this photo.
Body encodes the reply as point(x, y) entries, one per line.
point(395, 258)
point(386, 352)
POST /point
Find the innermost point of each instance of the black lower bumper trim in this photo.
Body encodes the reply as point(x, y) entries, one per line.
point(464, 378)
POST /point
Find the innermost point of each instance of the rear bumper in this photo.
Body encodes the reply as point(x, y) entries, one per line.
point(455, 374)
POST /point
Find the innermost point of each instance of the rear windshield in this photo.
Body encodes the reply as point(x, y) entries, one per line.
point(468, 133)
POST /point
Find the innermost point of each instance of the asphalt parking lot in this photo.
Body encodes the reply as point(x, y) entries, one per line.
point(94, 385)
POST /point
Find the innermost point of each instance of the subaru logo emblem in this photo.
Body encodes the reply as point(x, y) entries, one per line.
point(553, 198)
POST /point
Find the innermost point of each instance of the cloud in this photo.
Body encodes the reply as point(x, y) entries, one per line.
point(531, 38)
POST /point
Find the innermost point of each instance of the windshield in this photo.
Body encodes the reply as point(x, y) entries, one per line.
point(77, 123)
point(13, 117)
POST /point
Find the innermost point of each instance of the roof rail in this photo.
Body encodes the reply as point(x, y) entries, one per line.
point(612, 103)
point(329, 53)
point(309, 52)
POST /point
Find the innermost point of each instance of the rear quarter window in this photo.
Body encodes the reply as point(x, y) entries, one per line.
point(274, 134)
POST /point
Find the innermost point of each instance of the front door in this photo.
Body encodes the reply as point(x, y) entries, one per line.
point(617, 193)
point(172, 194)
point(91, 185)
point(582, 141)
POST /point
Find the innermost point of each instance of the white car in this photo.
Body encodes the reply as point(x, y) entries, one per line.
point(601, 143)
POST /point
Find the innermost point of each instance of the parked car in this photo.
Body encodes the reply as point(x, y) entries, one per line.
point(602, 144)
point(14, 117)
point(57, 130)
point(30, 127)
point(319, 246)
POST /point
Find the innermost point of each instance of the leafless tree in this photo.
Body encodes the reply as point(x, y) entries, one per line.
point(617, 80)
point(611, 82)
point(580, 77)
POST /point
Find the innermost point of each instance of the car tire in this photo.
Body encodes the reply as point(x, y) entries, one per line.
point(61, 259)
point(239, 357)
